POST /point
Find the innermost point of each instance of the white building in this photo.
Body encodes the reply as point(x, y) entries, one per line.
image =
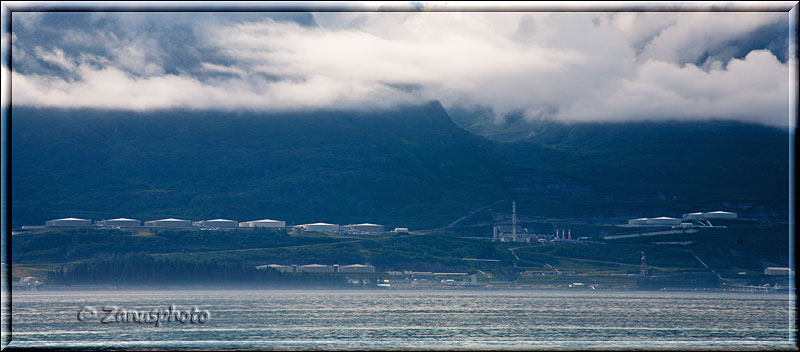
point(220, 223)
point(400, 230)
point(364, 228)
point(719, 215)
point(639, 221)
point(320, 227)
point(120, 222)
point(274, 224)
point(315, 268)
point(357, 268)
point(68, 222)
point(663, 220)
point(171, 223)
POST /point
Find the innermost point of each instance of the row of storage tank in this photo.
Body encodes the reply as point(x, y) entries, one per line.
point(698, 216)
point(319, 268)
point(219, 223)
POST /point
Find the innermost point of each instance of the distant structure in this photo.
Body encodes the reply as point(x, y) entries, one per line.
point(663, 220)
point(638, 222)
point(220, 223)
point(319, 226)
point(68, 222)
point(169, 223)
point(400, 230)
point(720, 215)
point(778, 271)
point(357, 268)
point(267, 223)
point(513, 232)
point(120, 222)
point(315, 268)
point(365, 228)
point(643, 268)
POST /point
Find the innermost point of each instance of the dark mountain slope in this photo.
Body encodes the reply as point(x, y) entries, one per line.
point(411, 166)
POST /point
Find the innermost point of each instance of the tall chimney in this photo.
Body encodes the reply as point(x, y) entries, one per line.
point(514, 220)
point(569, 234)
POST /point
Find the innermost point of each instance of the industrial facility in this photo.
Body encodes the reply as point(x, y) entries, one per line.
point(688, 219)
point(220, 223)
point(365, 228)
point(69, 222)
point(265, 223)
point(319, 268)
point(319, 227)
point(169, 223)
point(120, 222)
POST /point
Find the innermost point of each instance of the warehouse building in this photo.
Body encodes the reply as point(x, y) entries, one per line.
point(638, 222)
point(364, 228)
point(220, 223)
point(120, 222)
point(266, 223)
point(664, 220)
point(719, 215)
point(357, 268)
point(168, 223)
point(320, 227)
point(315, 268)
point(68, 222)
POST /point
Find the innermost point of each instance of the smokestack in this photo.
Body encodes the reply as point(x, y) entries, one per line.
point(569, 234)
point(514, 220)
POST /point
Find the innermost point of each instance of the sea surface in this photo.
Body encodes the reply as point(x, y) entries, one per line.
point(424, 319)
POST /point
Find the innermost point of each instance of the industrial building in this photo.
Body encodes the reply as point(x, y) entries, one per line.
point(357, 268)
point(266, 223)
point(319, 226)
point(778, 271)
point(400, 230)
point(315, 268)
point(169, 223)
point(120, 222)
point(68, 222)
point(364, 228)
point(664, 220)
point(220, 223)
point(513, 232)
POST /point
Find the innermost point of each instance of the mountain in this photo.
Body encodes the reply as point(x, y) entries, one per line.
point(410, 166)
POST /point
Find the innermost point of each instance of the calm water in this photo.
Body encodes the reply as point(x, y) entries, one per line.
point(413, 319)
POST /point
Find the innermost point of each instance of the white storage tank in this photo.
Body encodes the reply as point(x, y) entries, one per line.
point(278, 267)
point(357, 268)
point(121, 222)
point(719, 215)
point(639, 221)
point(663, 220)
point(68, 222)
point(220, 223)
point(170, 223)
point(269, 223)
point(315, 268)
point(320, 227)
point(365, 228)
point(693, 216)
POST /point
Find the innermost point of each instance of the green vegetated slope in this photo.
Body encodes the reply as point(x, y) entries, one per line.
point(410, 167)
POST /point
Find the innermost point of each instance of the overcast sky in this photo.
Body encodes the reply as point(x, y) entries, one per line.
point(566, 66)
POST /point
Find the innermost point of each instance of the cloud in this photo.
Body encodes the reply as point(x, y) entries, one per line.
point(565, 66)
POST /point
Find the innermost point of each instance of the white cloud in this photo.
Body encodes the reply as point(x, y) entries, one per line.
point(568, 66)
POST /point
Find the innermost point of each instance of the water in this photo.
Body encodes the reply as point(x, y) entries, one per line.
point(298, 319)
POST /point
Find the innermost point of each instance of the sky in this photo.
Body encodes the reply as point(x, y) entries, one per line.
point(565, 66)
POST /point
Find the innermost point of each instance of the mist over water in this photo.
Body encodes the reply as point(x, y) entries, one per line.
point(328, 319)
